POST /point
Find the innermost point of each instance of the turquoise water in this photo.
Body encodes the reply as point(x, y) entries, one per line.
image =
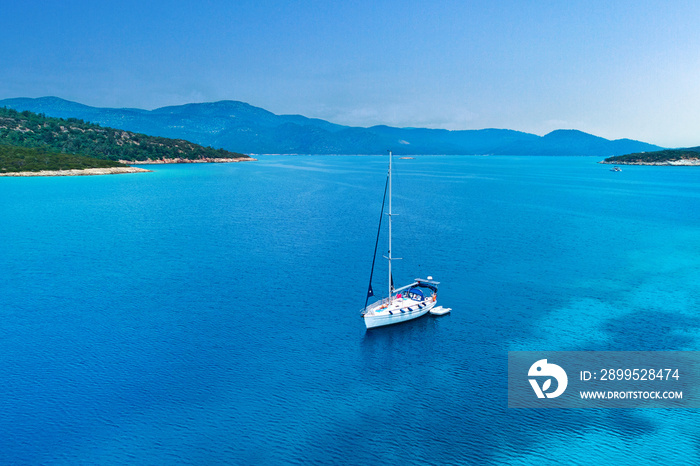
point(209, 314)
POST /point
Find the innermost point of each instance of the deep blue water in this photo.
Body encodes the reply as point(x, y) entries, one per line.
point(209, 314)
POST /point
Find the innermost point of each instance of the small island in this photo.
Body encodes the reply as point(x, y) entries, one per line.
point(35, 145)
point(677, 157)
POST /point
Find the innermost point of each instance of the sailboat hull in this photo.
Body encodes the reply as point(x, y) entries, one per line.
point(380, 319)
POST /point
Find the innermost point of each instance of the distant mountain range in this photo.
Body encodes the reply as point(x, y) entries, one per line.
point(240, 127)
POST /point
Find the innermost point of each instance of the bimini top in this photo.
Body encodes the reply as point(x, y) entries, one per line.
point(424, 283)
point(421, 283)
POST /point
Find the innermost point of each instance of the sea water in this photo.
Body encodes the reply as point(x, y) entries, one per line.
point(209, 314)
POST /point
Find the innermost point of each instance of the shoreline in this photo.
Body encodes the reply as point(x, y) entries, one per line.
point(83, 172)
point(120, 170)
point(203, 160)
point(675, 163)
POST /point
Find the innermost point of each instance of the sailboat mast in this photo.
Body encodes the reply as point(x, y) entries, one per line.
point(391, 284)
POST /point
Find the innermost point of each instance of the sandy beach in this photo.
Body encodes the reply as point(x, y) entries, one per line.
point(118, 170)
point(85, 172)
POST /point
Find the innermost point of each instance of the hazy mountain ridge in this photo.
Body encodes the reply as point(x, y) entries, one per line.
point(244, 128)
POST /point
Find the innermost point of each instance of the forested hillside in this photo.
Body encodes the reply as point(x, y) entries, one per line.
point(75, 136)
point(32, 159)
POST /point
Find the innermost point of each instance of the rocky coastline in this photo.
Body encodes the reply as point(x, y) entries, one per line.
point(179, 160)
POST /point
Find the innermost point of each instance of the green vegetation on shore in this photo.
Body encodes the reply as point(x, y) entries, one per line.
point(660, 157)
point(31, 159)
point(56, 136)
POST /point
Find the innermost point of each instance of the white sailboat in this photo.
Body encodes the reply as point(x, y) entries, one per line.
point(404, 303)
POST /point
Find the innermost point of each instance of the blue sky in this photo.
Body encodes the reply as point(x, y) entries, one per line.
point(612, 68)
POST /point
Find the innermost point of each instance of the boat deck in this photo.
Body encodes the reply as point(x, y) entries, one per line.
point(402, 305)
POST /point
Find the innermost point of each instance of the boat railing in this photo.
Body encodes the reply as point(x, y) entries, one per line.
point(376, 305)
